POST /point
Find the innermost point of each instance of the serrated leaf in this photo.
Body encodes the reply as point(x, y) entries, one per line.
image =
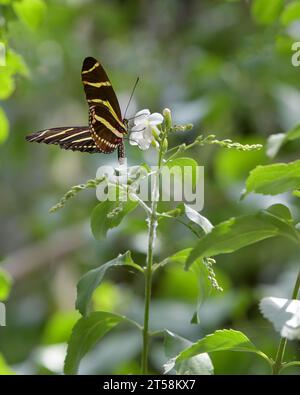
point(290, 13)
point(238, 232)
point(92, 279)
point(30, 12)
point(266, 12)
point(199, 364)
point(86, 333)
point(221, 340)
point(109, 214)
point(274, 179)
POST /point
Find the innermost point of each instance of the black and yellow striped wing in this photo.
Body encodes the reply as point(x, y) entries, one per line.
point(106, 128)
point(77, 138)
point(105, 117)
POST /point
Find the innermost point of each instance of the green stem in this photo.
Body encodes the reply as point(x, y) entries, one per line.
point(282, 344)
point(152, 226)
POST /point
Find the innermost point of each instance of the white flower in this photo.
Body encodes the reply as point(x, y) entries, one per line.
point(144, 123)
point(284, 315)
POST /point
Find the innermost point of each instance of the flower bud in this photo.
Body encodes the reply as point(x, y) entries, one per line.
point(168, 118)
point(182, 128)
point(154, 133)
point(165, 145)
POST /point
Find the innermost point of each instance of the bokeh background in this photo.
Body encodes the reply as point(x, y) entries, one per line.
point(218, 64)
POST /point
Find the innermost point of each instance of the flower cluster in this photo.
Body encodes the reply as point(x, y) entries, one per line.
point(144, 129)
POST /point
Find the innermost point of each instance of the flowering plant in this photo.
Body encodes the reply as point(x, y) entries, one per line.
point(123, 183)
point(183, 356)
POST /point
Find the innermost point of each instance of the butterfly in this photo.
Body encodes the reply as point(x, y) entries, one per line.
point(106, 125)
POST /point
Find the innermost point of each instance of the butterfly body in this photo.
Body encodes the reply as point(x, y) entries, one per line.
point(106, 126)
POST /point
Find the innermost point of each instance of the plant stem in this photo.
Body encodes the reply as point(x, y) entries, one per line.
point(152, 226)
point(282, 344)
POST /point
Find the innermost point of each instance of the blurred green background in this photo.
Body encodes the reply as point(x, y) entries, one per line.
point(224, 66)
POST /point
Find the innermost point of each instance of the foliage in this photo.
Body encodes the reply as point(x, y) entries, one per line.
point(228, 71)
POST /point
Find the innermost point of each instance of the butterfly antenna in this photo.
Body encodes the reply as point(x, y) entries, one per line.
point(136, 82)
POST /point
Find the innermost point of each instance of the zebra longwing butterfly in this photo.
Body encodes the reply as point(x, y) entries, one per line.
point(106, 125)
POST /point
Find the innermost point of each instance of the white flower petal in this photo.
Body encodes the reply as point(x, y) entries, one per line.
point(147, 135)
point(135, 137)
point(284, 315)
point(155, 118)
point(144, 144)
point(141, 116)
point(145, 111)
point(138, 128)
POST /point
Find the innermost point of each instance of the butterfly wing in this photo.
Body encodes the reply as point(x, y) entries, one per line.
point(97, 86)
point(78, 138)
point(106, 128)
point(105, 117)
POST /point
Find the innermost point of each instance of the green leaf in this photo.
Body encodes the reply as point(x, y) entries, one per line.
point(203, 272)
point(221, 340)
point(15, 63)
point(290, 13)
point(30, 12)
point(7, 84)
point(266, 12)
point(281, 211)
point(109, 214)
point(92, 279)
point(59, 326)
point(86, 333)
point(190, 217)
point(206, 279)
point(294, 133)
point(276, 141)
point(5, 284)
point(4, 368)
point(199, 364)
point(197, 218)
point(238, 232)
point(296, 193)
point(183, 167)
point(274, 179)
point(177, 258)
point(4, 126)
